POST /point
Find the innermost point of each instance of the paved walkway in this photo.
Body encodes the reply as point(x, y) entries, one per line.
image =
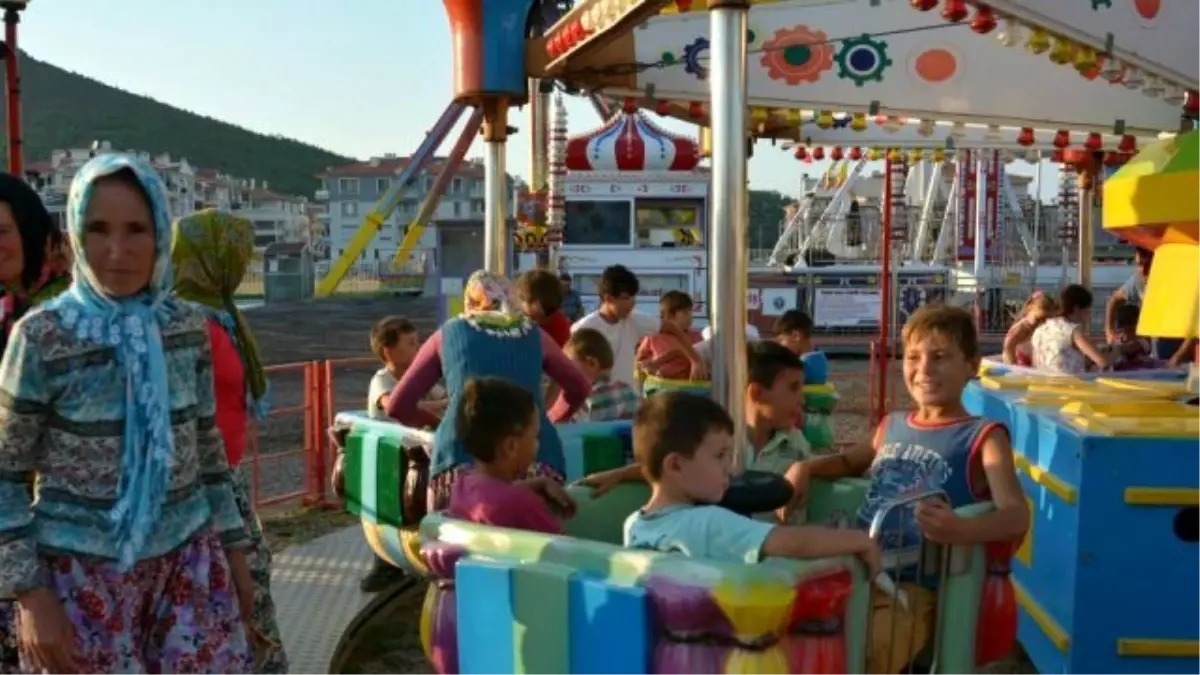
point(315, 587)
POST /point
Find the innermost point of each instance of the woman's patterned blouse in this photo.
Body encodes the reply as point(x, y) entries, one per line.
point(62, 405)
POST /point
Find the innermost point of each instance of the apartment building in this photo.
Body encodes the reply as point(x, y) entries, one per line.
point(453, 239)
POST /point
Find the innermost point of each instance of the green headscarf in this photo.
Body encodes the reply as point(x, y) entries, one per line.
point(211, 253)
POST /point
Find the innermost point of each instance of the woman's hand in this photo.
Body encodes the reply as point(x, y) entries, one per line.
point(46, 633)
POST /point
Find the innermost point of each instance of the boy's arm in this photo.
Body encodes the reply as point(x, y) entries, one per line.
point(1008, 522)
point(849, 463)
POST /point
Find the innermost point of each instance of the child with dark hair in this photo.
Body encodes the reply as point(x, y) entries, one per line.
point(662, 353)
point(794, 330)
point(1059, 344)
point(684, 444)
point(624, 329)
point(1127, 350)
point(541, 296)
point(395, 341)
point(498, 424)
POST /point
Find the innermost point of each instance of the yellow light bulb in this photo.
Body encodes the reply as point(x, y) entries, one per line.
point(1039, 41)
point(1063, 51)
point(825, 119)
point(1085, 60)
point(858, 122)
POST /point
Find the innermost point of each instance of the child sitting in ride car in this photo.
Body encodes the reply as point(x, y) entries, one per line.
point(1126, 350)
point(498, 424)
point(794, 330)
point(937, 447)
point(395, 341)
point(609, 399)
point(684, 444)
point(774, 410)
point(661, 354)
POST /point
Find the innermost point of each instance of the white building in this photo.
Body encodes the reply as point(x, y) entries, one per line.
point(276, 217)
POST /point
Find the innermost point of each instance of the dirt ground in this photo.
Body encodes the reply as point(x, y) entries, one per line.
point(340, 329)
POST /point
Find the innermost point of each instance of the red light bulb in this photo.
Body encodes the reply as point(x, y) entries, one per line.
point(955, 10)
point(696, 110)
point(923, 5)
point(800, 152)
point(836, 153)
point(856, 153)
point(629, 105)
point(818, 153)
point(984, 21)
point(1128, 145)
point(1062, 139)
point(1094, 141)
point(662, 107)
point(1025, 138)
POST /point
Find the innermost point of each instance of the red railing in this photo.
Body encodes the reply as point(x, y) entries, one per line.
point(307, 455)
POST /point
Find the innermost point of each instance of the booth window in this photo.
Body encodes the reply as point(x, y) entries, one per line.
point(598, 223)
point(669, 224)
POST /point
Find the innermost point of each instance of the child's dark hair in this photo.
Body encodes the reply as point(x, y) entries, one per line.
point(767, 361)
point(542, 287)
point(956, 324)
point(674, 422)
point(794, 321)
point(491, 410)
point(589, 343)
point(618, 280)
point(674, 301)
point(1126, 317)
point(1074, 298)
point(388, 332)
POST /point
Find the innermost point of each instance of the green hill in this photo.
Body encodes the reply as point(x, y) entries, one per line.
point(60, 109)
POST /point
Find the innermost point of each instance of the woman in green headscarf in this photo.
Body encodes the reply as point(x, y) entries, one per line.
point(211, 252)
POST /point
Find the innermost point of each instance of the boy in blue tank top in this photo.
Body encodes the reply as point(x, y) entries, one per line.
point(938, 446)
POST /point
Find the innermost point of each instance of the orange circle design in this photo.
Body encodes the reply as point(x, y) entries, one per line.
point(775, 56)
point(936, 66)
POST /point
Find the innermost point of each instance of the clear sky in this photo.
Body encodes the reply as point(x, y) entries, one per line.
point(358, 77)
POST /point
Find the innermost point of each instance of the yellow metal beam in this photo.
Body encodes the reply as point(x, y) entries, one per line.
point(429, 206)
point(387, 203)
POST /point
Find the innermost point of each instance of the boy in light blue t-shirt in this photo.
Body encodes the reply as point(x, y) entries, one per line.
point(684, 444)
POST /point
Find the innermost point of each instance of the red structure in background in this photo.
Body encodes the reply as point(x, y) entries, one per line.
point(12, 17)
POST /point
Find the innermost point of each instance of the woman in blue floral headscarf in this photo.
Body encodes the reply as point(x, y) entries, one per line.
point(132, 560)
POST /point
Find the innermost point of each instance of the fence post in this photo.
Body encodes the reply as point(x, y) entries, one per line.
point(318, 431)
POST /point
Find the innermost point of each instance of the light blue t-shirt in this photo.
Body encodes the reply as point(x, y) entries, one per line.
point(698, 532)
point(1133, 289)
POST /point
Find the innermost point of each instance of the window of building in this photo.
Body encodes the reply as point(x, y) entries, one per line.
point(350, 209)
point(456, 185)
point(669, 224)
point(348, 186)
point(598, 223)
point(383, 184)
point(457, 209)
point(476, 206)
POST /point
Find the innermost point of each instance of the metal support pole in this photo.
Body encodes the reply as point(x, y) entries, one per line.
point(885, 301)
point(1087, 194)
point(981, 218)
point(1037, 221)
point(727, 224)
point(495, 186)
point(12, 16)
point(539, 136)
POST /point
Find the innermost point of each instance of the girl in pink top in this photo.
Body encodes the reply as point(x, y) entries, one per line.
point(662, 354)
point(1018, 349)
point(498, 423)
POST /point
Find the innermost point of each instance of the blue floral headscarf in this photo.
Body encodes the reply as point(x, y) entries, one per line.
point(132, 326)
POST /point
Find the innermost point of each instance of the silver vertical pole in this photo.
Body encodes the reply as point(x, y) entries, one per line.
point(495, 208)
point(1087, 205)
point(1037, 220)
point(727, 224)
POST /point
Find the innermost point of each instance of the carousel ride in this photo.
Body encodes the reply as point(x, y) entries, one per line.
point(1105, 76)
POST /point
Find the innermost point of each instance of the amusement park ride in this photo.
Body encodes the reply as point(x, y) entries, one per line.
point(1105, 580)
point(943, 85)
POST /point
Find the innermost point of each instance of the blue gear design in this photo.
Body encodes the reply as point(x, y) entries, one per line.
point(861, 59)
point(691, 58)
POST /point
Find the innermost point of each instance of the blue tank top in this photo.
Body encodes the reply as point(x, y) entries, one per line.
point(477, 348)
point(914, 458)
